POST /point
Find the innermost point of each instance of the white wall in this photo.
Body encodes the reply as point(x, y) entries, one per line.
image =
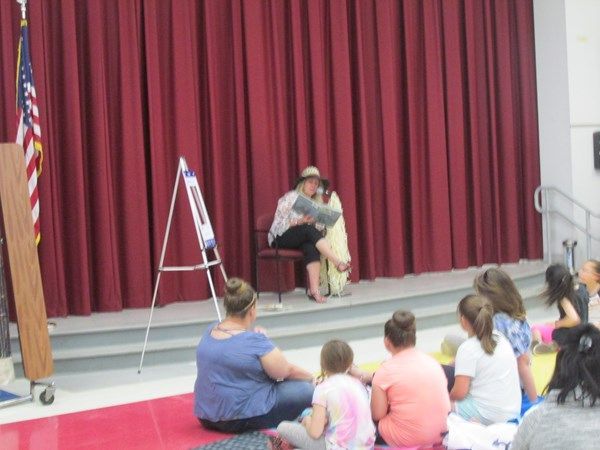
point(553, 110)
point(567, 35)
point(583, 51)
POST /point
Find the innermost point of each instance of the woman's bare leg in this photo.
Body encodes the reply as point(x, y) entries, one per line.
point(325, 250)
point(314, 271)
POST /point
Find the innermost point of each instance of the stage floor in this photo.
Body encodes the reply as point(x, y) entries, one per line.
point(363, 292)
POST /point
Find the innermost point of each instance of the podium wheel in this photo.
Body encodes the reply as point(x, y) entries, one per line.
point(47, 396)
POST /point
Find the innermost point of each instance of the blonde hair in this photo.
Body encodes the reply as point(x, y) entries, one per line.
point(239, 297)
point(499, 288)
point(479, 312)
point(317, 197)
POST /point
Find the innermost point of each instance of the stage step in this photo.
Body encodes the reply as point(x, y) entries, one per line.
point(106, 341)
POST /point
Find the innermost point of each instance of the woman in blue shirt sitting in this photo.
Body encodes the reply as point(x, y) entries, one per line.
point(244, 382)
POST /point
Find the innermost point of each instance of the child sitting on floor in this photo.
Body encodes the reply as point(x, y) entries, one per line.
point(409, 399)
point(486, 384)
point(570, 415)
point(510, 319)
point(560, 291)
point(341, 415)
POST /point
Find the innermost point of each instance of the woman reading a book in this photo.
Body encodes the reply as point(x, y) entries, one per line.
point(294, 230)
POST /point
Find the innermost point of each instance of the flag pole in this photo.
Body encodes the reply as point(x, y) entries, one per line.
point(23, 4)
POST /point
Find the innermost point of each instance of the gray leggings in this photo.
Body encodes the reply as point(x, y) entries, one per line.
point(296, 434)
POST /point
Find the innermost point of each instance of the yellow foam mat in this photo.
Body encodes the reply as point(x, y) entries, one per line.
point(541, 365)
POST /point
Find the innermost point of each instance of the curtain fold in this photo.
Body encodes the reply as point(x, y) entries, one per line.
point(422, 113)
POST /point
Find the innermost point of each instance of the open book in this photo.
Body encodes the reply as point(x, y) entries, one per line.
point(319, 211)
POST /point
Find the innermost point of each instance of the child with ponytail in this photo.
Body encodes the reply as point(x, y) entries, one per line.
point(486, 385)
point(569, 416)
point(510, 319)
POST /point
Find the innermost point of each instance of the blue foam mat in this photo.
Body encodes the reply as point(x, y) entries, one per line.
point(4, 395)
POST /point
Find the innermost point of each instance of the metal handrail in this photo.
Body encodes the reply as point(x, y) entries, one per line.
point(540, 198)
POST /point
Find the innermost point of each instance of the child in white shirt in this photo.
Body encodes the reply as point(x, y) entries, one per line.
point(486, 386)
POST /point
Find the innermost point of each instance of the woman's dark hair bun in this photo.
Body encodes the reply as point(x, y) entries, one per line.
point(403, 319)
point(401, 329)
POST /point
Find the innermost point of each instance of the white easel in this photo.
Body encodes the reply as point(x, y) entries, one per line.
point(206, 241)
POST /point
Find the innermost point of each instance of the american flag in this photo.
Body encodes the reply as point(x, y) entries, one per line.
point(28, 131)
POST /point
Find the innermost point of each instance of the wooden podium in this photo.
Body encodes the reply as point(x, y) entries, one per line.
point(24, 268)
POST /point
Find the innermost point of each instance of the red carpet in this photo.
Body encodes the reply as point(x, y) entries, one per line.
point(165, 423)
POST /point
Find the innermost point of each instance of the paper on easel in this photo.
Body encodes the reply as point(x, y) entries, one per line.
point(204, 229)
point(319, 211)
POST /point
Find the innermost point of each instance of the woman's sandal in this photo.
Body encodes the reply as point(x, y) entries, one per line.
point(343, 267)
point(317, 297)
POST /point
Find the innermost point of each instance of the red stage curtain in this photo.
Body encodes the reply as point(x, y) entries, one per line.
point(422, 113)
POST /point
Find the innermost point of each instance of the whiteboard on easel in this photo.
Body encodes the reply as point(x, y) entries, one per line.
point(204, 230)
